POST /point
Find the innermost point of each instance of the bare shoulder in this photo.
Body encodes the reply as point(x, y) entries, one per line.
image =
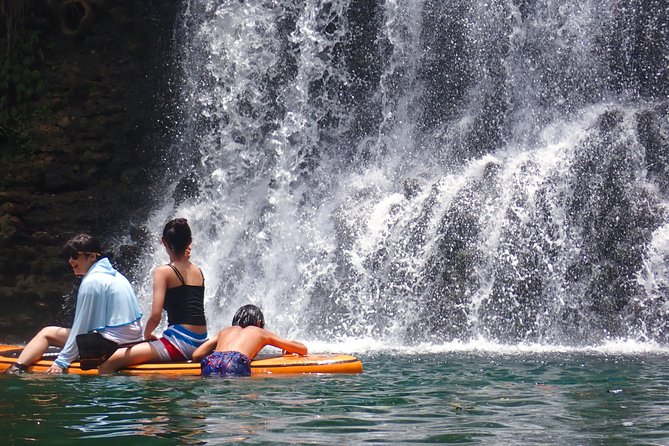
point(255, 330)
point(250, 332)
point(228, 331)
point(161, 269)
point(194, 269)
point(266, 334)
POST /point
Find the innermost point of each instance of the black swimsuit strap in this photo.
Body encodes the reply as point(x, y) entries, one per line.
point(181, 278)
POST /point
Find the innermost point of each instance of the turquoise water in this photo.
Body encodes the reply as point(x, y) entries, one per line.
point(440, 398)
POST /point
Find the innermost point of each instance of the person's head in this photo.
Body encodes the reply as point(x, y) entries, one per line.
point(82, 251)
point(249, 315)
point(177, 236)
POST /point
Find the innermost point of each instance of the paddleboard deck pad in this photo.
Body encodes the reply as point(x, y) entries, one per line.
point(280, 365)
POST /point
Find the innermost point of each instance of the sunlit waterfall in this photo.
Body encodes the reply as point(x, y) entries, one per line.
point(426, 172)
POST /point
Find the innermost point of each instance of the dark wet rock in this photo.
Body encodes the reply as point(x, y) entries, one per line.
point(91, 143)
point(186, 188)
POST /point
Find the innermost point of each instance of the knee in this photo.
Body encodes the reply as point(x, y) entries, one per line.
point(54, 335)
point(48, 332)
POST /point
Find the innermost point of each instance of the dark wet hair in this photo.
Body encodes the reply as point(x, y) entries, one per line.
point(82, 243)
point(177, 235)
point(249, 315)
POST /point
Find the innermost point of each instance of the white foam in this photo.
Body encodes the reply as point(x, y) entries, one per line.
point(622, 347)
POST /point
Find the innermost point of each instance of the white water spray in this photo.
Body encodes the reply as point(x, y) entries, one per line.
point(419, 173)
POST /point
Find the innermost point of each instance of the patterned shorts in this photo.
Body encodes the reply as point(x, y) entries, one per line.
point(226, 364)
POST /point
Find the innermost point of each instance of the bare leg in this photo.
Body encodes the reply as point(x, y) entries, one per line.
point(137, 354)
point(56, 336)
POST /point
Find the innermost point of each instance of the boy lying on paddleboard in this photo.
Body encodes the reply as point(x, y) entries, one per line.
point(231, 351)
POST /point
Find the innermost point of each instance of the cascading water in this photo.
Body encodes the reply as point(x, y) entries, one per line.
point(428, 171)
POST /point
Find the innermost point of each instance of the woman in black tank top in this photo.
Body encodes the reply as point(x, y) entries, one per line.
point(184, 304)
point(178, 288)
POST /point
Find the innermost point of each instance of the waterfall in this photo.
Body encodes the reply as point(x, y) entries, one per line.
point(427, 171)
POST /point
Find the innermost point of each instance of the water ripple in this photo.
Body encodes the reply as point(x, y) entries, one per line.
point(441, 398)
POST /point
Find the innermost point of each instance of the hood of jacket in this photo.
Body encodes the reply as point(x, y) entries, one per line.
point(103, 265)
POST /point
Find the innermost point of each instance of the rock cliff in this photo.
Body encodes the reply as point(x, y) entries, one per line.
point(84, 117)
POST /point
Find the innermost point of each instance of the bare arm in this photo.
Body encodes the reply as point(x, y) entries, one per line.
point(287, 345)
point(159, 290)
point(204, 349)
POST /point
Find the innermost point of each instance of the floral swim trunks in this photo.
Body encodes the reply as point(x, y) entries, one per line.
point(226, 364)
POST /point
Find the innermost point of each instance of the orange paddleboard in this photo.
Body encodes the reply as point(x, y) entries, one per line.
point(287, 364)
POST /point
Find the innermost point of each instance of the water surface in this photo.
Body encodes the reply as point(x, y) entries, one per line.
point(441, 398)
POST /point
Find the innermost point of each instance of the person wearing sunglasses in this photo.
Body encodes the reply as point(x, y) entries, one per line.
point(106, 304)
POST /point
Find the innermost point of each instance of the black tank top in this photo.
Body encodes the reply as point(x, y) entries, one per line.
point(185, 304)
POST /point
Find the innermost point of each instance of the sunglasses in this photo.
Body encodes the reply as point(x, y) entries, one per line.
point(75, 255)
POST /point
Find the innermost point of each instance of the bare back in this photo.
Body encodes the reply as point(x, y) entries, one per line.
point(251, 340)
point(244, 340)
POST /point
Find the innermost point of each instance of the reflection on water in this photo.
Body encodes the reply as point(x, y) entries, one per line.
point(453, 398)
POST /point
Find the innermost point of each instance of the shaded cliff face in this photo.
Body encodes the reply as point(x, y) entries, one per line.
point(83, 153)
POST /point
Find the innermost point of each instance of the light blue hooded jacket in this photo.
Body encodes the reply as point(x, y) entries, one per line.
point(105, 299)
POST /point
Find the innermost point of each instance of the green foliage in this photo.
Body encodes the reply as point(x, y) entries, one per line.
point(20, 82)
